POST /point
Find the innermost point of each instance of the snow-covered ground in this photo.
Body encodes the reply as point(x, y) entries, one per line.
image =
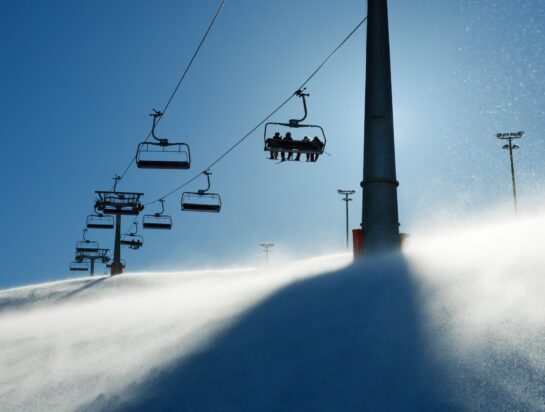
point(455, 323)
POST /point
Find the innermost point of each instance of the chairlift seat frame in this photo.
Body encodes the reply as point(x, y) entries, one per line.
point(157, 221)
point(145, 163)
point(294, 146)
point(212, 203)
point(79, 266)
point(164, 147)
point(87, 245)
point(132, 240)
point(100, 222)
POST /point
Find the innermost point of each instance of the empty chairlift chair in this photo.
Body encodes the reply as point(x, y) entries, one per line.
point(99, 221)
point(162, 154)
point(79, 266)
point(202, 200)
point(86, 245)
point(158, 220)
point(293, 138)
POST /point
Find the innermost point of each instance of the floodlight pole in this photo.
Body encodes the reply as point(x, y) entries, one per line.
point(509, 137)
point(346, 199)
point(379, 212)
point(266, 248)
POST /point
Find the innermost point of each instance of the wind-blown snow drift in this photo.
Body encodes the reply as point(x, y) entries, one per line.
point(458, 323)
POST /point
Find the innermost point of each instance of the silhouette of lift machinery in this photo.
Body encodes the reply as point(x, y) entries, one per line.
point(162, 154)
point(158, 220)
point(297, 145)
point(118, 204)
point(202, 200)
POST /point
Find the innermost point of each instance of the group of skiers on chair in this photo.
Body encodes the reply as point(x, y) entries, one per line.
point(311, 148)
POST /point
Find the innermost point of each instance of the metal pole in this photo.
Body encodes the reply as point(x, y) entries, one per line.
point(379, 211)
point(346, 194)
point(116, 268)
point(92, 267)
point(266, 248)
point(346, 203)
point(513, 173)
point(509, 137)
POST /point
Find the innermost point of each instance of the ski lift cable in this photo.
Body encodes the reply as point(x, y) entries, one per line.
point(238, 142)
point(182, 77)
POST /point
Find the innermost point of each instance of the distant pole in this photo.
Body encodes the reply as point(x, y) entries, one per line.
point(346, 199)
point(509, 137)
point(92, 267)
point(379, 212)
point(266, 248)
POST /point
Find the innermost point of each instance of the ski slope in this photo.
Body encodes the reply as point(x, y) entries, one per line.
point(456, 323)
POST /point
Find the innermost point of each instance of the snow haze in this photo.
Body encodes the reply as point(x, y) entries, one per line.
point(456, 323)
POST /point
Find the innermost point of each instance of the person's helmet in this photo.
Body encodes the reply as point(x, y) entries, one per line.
point(288, 134)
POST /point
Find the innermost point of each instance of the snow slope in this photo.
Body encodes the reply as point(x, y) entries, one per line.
point(456, 323)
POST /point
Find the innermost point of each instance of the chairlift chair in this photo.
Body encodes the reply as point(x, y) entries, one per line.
point(158, 220)
point(99, 221)
point(79, 266)
point(297, 145)
point(201, 201)
point(132, 240)
point(86, 244)
point(162, 154)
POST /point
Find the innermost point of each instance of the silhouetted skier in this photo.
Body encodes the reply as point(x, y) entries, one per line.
point(318, 144)
point(287, 138)
point(277, 138)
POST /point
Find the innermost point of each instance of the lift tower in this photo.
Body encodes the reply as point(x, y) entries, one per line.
point(379, 212)
point(118, 204)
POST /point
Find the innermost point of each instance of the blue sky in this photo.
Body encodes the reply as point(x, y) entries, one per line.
point(79, 79)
